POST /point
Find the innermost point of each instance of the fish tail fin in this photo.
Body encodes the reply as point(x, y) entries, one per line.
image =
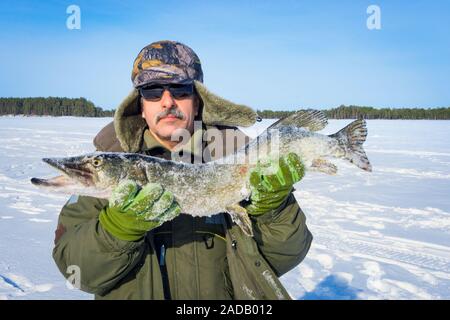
point(353, 137)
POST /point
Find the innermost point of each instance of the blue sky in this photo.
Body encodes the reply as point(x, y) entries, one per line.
point(282, 55)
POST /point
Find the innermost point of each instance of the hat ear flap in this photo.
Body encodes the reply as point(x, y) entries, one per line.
point(129, 123)
point(219, 111)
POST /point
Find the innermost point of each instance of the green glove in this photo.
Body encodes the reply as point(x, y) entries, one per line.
point(133, 211)
point(270, 190)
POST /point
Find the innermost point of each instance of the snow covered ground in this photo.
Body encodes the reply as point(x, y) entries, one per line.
point(379, 235)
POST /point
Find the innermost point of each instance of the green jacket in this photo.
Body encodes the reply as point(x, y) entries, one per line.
point(186, 258)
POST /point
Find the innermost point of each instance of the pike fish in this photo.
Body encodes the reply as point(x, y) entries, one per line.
point(220, 185)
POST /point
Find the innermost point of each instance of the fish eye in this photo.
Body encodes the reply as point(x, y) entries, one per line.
point(96, 162)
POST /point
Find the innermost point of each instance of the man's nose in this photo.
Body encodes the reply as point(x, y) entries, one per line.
point(167, 101)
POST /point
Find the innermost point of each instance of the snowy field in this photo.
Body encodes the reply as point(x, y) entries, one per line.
point(379, 235)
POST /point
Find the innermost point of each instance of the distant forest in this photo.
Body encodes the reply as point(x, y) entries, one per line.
point(81, 107)
point(52, 106)
point(356, 112)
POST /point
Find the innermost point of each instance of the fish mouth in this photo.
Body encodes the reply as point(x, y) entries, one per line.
point(73, 173)
point(56, 182)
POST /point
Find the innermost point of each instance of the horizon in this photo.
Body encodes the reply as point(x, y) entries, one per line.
point(276, 56)
point(276, 110)
point(258, 110)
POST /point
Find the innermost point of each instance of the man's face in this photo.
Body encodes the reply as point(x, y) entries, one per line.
point(168, 114)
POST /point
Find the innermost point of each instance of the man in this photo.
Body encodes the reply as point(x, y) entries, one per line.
point(121, 255)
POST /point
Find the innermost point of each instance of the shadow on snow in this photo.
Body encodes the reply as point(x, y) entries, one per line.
point(332, 288)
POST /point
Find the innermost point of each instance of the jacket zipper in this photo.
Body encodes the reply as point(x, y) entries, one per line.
point(162, 256)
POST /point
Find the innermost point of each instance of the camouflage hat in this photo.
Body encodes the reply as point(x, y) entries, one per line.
point(166, 62)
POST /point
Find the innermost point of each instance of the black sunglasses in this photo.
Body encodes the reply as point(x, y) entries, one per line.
point(178, 91)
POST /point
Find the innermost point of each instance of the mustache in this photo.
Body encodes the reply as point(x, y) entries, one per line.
point(171, 111)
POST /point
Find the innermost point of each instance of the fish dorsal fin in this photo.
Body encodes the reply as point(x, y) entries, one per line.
point(313, 120)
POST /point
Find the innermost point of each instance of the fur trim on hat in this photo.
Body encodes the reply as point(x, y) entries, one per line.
point(218, 111)
point(129, 124)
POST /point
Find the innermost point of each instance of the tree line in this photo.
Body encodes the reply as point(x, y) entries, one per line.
point(354, 112)
point(52, 106)
point(357, 112)
point(81, 107)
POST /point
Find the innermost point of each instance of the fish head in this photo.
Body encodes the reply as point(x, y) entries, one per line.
point(93, 174)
